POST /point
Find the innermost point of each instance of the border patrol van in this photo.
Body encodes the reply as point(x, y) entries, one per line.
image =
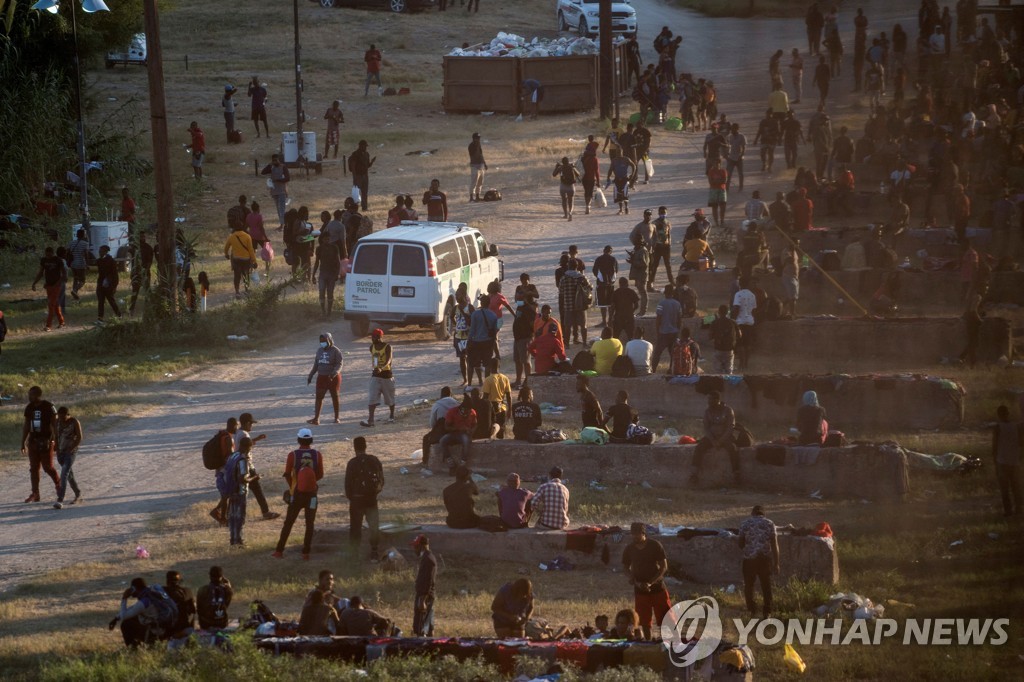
point(408, 275)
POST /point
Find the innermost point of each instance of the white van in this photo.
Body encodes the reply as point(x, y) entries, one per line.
point(408, 275)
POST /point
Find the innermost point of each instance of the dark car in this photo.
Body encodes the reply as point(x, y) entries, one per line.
point(393, 5)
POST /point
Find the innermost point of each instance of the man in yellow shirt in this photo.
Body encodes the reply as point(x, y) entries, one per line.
point(498, 390)
point(693, 251)
point(605, 351)
point(238, 248)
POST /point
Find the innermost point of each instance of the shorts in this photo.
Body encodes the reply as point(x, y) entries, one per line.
point(604, 295)
point(197, 159)
point(327, 383)
point(333, 136)
point(480, 352)
point(259, 114)
point(460, 346)
point(791, 288)
point(716, 196)
point(382, 388)
point(521, 351)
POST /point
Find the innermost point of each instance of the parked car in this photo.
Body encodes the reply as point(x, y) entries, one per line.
point(393, 5)
point(135, 53)
point(583, 17)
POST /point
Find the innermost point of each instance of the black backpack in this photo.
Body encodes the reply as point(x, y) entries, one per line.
point(583, 361)
point(366, 479)
point(492, 195)
point(215, 607)
point(623, 368)
point(214, 453)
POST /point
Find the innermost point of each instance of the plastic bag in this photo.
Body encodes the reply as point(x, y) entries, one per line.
point(267, 252)
point(254, 277)
point(601, 197)
point(593, 435)
point(357, 196)
point(793, 660)
point(649, 166)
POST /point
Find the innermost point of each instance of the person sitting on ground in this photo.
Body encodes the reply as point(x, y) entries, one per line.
point(591, 414)
point(811, 421)
point(621, 416)
point(140, 622)
point(437, 415)
point(601, 627)
point(719, 421)
point(213, 600)
point(485, 429)
point(695, 249)
point(318, 619)
point(514, 506)
point(605, 351)
point(639, 351)
point(359, 621)
point(627, 627)
point(459, 424)
point(186, 603)
point(526, 415)
point(685, 354)
point(459, 500)
point(512, 608)
point(551, 502)
point(547, 347)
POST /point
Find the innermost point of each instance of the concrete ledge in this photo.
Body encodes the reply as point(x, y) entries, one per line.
point(854, 403)
point(938, 242)
point(703, 560)
point(856, 471)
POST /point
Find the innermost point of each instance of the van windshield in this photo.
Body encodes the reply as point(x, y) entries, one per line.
point(371, 259)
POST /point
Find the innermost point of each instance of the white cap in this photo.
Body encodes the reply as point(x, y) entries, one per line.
point(305, 434)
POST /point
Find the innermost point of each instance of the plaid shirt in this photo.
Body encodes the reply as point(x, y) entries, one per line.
point(552, 498)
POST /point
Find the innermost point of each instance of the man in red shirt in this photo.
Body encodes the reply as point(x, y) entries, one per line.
point(459, 423)
point(127, 208)
point(198, 149)
point(303, 469)
point(803, 210)
point(717, 178)
point(372, 57)
point(436, 202)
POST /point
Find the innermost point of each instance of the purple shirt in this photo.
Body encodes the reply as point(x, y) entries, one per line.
point(513, 506)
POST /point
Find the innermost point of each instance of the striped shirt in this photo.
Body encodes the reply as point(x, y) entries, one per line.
point(78, 249)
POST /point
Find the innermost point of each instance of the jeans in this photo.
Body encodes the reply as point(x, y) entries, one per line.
point(300, 502)
point(1009, 487)
point(423, 616)
point(40, 456)
point(236, 517)
point(476, 180)
point(723, 361)
point(281, 203)
point(240, 268)
point(758, 568)
point(432, 437)
point(357, 511)
point(106, 295)
point(662, 252)
point(664, 342)
point(66, 460)
point(730, 166)
point(371, 76)
point(257, 491)
point(456, 438)
point(79, 279)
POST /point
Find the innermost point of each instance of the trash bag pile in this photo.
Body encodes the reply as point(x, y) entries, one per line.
point(850, 604)
point(511, 45)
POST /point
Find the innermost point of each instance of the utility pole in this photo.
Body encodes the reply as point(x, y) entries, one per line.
point(83, 163)
point(166, 263)
point(606, 63)
point(300, 116)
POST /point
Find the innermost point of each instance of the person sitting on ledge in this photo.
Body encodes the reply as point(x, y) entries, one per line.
point(459, 500)
point(605, 351)
point(459, 423)
point(551, 501)
point(514, 506)
point(620, 416)
point(719, 421)
point(590, 407)
point(526, 415)
point(811, 421)
point(547, 347)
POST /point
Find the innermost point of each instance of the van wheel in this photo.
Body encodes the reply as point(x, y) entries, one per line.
point(360, 327)
point(443, 330)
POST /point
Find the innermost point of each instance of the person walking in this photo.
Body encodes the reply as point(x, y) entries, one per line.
point(426, 576)
point(69, 437)
point(334, 118)
point(734, 162)
point(106, 282)
point(662, 249)
point(759, 541)
point(822, 79)
point(567, 176)
point(77, 251)
point(258, 95)
point(198, 146)
point(227, 103)
point(382, 381)
point(669, 321)
point(639, 268)
point(725, 335)
point(244, 430)
point(373, 58)
point(38, 437)
point(644, 562)
point(364, 482)
point(436, 202)
point(359, 164)
point(792, 136)
point(279, 179)
point(239, 250)
point(718, 197)
point(477, 166)
point(814, 21)
point(327, 365)
point(591, 172)
point(303, 470)
point(796, 75)
point(1007, 443)
point(51, 270)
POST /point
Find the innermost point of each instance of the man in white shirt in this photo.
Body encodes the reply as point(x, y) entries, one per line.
point(245, 423)
point(743, 305)
point(755, 208)
point(639, 352)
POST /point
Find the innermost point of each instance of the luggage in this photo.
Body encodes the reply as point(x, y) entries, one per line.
point(235, 137)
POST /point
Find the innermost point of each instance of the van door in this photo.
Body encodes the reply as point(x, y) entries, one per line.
point(367, 287)
point(410, 290)
point(490, 267)
point(449, 266)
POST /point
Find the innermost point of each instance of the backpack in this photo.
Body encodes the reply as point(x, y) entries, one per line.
point(742, 436)
point(492, 524)
point(366, 479)
point(227, 481)
point(164, 610)
point(584, 294)
point(214, 608)
point(623, 368)
point(688, 299)
point(215, 454)
point(492, 195)
point(583, 361)
point(304, 470)
point(639, 435)
point(235, 136)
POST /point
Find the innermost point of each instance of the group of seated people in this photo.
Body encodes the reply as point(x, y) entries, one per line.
point(517, 506)
point(324, 614)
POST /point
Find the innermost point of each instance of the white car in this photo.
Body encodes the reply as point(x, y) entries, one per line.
point(582, 16)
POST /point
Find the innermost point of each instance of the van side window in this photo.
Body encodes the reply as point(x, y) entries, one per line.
point(468, 247)
point(482, 243)
point(446, 256)
point(371, 259)
point(408, 261)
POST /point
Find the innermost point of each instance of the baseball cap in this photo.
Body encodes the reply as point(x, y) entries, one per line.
point(247, 417)
point(378, 332)
point(229, 87)
point(305, 434)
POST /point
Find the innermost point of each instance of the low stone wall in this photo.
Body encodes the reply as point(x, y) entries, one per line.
point(855, 471)
point(938, 242)
point(708, 560)
point(854, 404)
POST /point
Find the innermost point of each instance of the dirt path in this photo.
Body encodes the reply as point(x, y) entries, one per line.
point(149, 464)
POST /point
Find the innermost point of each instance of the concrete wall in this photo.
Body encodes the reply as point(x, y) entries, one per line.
point(857, 404)
point(938, 242)
point(703, 560)
point(856, 471)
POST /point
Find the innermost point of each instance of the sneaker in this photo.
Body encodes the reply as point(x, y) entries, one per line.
point(389, 420)
point(78, 497)
point(270, 516)
point(58, 505)
point(277, 555)
point(46, 329)
point(366, 423)
point(34, 497)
